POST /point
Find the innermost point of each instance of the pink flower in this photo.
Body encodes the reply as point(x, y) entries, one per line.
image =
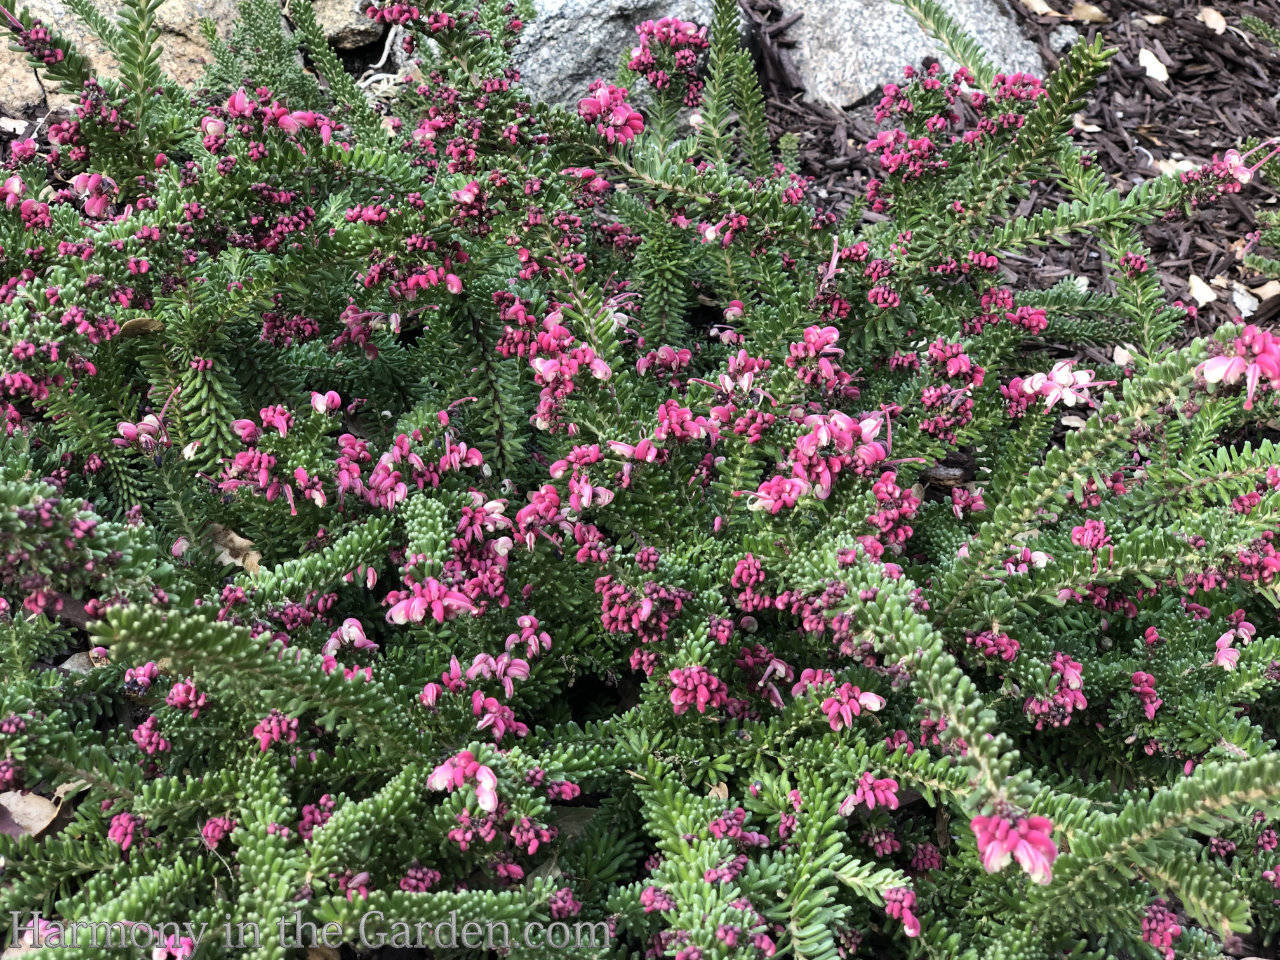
point(325, 403)
point(697, 687)
point(216, 830)
point(1027, 841)
point(174, 948)
point(847, 703)
point(1061, 383)
point(463, 768)
point(1227, 655)
point(413, 605)
point(213, 127)
point(239, 104)
point(1257, 355)
point(12, 190)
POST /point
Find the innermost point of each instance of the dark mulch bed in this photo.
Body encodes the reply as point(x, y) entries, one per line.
point(1222, 89)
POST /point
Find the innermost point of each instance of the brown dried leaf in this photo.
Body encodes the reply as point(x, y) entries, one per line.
point(140, 325)
point(25, 814)
point(230, 547)
point(720, 791)
point(1268, 290)
point(1088, 13)
point(1040, 7)
point(1212, 19)
point(1155, 19)
point(68, 788)
point(1078, 122)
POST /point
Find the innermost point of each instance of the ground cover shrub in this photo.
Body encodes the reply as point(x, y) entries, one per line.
point(491, 511)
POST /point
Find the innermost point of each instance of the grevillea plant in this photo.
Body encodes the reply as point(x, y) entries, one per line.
point(491, 510)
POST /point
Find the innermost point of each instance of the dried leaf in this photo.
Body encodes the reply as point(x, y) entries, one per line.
point(720, 791)
point(25, 814)
point(1154, 19)
point(1088, 13)
point(230, 547)
point(69, 788)
point(1122, 357)
point(1201, 292)
point(1151, 63)
point(1212, 19)
point(1078, 122)
point(1040, 7)
point(1245, 301)
point(1268, 290)
point(1221, 281)
point(1171, 167)
point(140, 325)
point(1074, 422)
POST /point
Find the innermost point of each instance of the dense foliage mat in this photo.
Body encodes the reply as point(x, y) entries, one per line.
point(500, 514)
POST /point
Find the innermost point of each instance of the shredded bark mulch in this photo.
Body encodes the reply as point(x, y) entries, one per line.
point(1222, 90)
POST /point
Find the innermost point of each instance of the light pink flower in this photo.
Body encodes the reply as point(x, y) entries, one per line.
point(1227, 655)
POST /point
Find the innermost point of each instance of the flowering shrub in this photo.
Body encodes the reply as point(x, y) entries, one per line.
point(545, 515)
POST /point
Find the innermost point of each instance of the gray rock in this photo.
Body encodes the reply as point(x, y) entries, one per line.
point(1063, 36)
point(572, 42)
point(847, 49)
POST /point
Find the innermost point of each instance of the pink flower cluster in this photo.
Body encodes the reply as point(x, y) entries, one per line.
point(1256, 357)
point(465, 768)
point(1159, 927)
point(871, 792)
point(994, 645)
point(608, 110)
point(274, 728)
point(696, 686)
point(848, 702)
point(1144, 688)
point(1066, 697)
point(1060, 384)
point(898, 903)
point(1026, 839)
point(670, 39)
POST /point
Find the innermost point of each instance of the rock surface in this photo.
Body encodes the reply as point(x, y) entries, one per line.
point(572, 42)
point(185, 52)
point(345, 24)
point(847, 49)
point(184, 57)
